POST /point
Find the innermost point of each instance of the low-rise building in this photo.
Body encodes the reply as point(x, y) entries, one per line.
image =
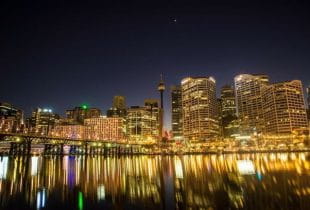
point(69, 131)
point(105, 128)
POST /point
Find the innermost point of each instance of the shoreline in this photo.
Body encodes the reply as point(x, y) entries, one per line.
point(170, 153)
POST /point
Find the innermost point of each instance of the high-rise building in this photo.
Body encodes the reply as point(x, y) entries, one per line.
point(308, 101)
point(119, 102)
point(42, 121)
point(141, 124)
point(228, 100)
point(249, 102)
point(11, 118)
point(220, 117)
point(161, 88)
point(200, 110)
point(308, 96)
point(284, 108)
point(80, 113)
point(118, 108)
point(176, 112)
point(228, 110)
point(152, 106)
point(105, 128)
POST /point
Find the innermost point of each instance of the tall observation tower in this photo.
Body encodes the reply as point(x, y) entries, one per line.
point(161, 89)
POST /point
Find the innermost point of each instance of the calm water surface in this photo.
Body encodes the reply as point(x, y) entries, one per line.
point(252, 181)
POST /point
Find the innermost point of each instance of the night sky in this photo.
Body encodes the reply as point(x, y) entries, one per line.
point(62, 55)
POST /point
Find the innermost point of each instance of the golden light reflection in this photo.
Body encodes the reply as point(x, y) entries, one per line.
point(191, 181)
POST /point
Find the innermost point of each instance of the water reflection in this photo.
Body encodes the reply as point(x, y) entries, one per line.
point(256, 181)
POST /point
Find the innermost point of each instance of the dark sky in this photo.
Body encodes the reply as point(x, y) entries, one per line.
point(60, 55)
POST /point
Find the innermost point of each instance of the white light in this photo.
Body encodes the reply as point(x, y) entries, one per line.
point(243, 137)
point(101, 192)
point(212, 79)
point(185, 80)
point(38, 200)
point(3, 167)
point(41, 198)
point(178, 168)
point(245, 167)
point(34, 166)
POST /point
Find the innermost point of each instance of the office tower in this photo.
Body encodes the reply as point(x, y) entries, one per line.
point(228, 100)
point(11, 118)
point(249, 102)
point(80, 113)
point(68, 131)
point(119, 102)
point(118, 108)
point(284, 108)
point(161, 89)
point(199, 104)
point(140, 124)
point(176, 112)
point(152, 106)
point(43, 121)
point(228, 110)
point(308, 101)
point(104, 128)
point(220, 117)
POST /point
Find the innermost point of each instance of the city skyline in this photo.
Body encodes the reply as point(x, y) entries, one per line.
point(155, 105)
point(167, 103)
point(65, 56)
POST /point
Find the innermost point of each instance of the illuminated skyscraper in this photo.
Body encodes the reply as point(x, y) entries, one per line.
point(308, 101)
point(249, 102)
point(119, 102)
point(200, 110)
point(43, 121)
point(142, 123)
point(161, 88)
point(11, 118)
point(228, 110)
point(308, 97)
point(152, 106)
point(228, 100)
point(176, 112)
point(118, 108)
point(80, 113)
point(284, 108)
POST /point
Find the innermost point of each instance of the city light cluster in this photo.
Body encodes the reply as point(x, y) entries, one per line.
point(252, 109)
